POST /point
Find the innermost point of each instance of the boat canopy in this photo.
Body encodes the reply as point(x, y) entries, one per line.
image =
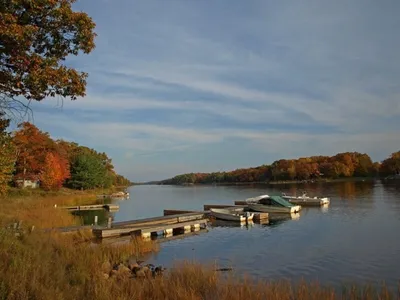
point(279, 200)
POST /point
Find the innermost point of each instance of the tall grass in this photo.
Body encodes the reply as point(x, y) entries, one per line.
point(36, 207)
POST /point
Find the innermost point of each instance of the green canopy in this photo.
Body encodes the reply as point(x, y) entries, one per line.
point(279, 200)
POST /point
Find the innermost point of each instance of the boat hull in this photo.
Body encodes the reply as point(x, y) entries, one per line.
point(232, 215)
point(274, 209)
point(307, 200)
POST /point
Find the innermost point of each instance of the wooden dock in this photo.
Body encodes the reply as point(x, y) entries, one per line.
point(109, 207)
point(309, 202)
point(169, 212)
point(301, 202)
point(146, 227)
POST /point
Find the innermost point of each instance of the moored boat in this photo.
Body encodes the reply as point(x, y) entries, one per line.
point(237, 215)
point(306, 200)
point(272, 204)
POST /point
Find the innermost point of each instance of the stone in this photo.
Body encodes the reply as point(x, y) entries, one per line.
point(123, 269)
point(140, 273)
point(133, 266)
point(146, 270)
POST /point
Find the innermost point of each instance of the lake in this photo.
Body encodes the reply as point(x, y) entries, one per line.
point(354, 240)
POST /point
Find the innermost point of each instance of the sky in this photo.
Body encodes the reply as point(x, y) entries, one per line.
point(180, 86)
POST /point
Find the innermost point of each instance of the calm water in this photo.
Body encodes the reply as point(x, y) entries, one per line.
point(356, 239)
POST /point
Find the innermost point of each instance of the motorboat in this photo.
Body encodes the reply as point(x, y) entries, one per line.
point(272, 204)
point(232, 214)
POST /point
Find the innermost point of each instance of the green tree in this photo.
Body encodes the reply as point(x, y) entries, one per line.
point(7, 156)
point(36, 36)
point(87, 172)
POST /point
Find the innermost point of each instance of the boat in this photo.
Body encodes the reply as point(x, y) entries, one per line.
point(238, 215)
point(120, 195)
point(306, 200)
point(272, 204)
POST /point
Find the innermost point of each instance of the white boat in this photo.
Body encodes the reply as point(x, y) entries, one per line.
point(237, 215)
point(306, 199)
point(273, 204)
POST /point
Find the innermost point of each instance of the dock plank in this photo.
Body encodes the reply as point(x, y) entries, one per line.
point(173, 226)
point(120, 231)
point(170, 219)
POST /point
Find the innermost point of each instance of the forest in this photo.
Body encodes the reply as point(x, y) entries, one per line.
point(29, 154)
point(341, 165)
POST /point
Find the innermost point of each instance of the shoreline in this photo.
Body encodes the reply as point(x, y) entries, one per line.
point(272, 183)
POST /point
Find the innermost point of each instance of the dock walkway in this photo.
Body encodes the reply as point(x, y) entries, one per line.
point(109, 207)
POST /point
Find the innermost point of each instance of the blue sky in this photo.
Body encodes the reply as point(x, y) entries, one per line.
point(198, 85)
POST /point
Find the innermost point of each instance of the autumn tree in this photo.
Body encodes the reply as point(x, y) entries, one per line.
point(391, 165)
point(54, 172)
point(35, 39)
point(7, 156)
point(32, 147)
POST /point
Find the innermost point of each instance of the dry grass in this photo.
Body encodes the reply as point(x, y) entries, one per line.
point(35, 207)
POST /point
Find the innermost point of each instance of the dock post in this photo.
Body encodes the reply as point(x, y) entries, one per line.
point(146, 235)
point(195, 227)
point(168, 232)
point(109, 222)
point(96, 220)
point(186, 228)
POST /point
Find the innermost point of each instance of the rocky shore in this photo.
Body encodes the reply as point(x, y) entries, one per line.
point(130, 269)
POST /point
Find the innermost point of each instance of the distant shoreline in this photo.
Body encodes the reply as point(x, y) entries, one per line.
point(354, 179)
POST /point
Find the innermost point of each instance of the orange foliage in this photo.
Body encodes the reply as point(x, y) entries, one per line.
point(54, 173)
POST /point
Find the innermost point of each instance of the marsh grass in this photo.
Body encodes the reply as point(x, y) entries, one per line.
point(36, 207)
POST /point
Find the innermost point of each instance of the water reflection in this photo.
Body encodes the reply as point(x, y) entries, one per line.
point(88, 216)
point(223, 223)
point(391, 189)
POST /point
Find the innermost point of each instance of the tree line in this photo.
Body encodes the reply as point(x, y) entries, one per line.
point(31, 154)
point(341, 165)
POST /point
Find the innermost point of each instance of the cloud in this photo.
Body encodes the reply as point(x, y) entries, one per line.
point(181, 83)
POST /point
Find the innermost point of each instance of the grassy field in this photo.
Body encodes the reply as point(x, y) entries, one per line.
point(39, 265)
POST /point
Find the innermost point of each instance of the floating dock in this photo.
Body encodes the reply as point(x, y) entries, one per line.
point(167, 225)
point(109, 207)
point(299, 201)
point(309, 202)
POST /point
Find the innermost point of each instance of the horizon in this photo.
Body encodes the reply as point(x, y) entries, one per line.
point(196, 86)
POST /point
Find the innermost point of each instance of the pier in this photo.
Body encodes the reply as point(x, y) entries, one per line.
point(109, 207)
point(165, 225)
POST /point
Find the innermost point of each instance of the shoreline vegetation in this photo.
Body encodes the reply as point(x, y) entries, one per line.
point(340, 167)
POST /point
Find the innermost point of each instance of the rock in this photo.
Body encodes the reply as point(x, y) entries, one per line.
point(123, 269)
point(140, 273)
point(146, 270)
point(133, 266)
point(158, 271)
point(106, 267)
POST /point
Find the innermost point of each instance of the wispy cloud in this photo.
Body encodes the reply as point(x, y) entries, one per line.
point(179, 83)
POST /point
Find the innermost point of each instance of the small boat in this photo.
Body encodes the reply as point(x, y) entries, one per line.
point(120, 195)
point(306, 199)
point(273, 204)
point(232, 214)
